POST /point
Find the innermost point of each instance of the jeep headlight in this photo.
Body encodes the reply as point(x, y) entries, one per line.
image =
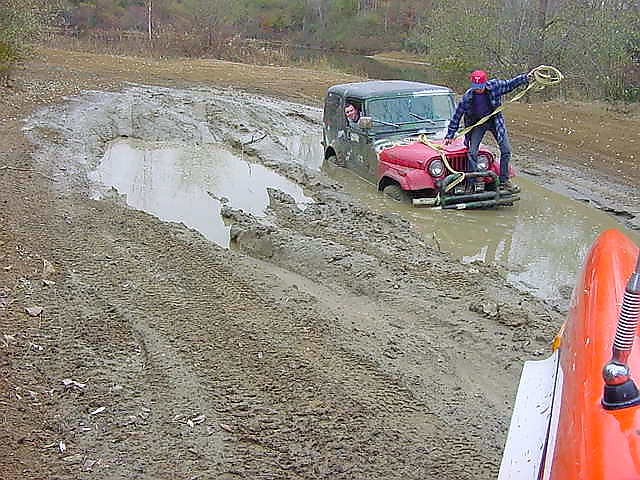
point(483, 162)
point(436, 168)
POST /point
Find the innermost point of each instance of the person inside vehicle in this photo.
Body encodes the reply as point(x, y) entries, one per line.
point(481, 100)
point(352, 113)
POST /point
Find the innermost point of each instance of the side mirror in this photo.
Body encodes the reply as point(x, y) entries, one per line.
point(365, 123)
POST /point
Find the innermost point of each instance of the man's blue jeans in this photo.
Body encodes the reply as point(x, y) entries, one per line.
point(475, 138)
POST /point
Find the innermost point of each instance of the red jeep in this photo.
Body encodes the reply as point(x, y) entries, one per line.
point(397, 143)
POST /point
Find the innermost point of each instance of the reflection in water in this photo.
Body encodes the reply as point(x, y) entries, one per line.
point(184, 184)
point(542, 241)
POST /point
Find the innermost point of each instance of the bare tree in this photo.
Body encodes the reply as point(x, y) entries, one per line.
point(209, 16)
point(149, 5)
point(540, 34)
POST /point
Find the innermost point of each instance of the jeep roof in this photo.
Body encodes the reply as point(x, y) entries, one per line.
point(383, 88)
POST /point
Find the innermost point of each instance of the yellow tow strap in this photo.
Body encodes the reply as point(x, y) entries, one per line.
point(557, 341)
point(543, 76)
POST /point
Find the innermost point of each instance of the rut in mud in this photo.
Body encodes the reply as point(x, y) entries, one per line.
point(330, 341)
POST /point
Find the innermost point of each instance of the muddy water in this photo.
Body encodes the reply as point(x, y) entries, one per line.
point(188, 184)
point(542, 240)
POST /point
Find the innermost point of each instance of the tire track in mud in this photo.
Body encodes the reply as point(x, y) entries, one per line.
point(274, 388)
point(469, 372)
point(201, 299)
point(311, 399)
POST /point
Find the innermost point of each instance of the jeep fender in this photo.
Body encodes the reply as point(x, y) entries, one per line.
point(408, 178)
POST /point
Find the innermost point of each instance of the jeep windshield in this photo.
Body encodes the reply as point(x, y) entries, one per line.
point(410, 112)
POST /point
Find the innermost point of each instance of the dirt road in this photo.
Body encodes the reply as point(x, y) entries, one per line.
point(329, 342)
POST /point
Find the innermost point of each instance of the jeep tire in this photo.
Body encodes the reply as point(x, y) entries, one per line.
point(398, 194)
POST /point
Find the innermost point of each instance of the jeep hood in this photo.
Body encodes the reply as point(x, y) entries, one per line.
point(412, 153)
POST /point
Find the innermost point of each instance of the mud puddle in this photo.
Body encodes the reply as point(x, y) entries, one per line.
point(190, 184)
point(542, 241)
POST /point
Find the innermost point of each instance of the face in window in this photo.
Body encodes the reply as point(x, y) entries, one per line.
point(352, 113)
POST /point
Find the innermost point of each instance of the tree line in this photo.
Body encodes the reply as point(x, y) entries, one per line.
point(597, 43)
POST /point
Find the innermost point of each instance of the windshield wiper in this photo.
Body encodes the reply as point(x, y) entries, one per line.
point(422, 118)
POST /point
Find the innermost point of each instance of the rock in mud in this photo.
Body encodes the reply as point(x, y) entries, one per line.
point(487, 308)
point(256, 242)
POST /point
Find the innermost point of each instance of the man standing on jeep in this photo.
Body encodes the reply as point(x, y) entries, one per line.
point(481, 100)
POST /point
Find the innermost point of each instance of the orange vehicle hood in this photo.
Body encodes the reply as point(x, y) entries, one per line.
point(591, 442)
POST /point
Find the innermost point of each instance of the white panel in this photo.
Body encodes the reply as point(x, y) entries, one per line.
point(530, 421)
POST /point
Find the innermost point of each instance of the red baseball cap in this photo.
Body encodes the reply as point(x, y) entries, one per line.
point(479, 79)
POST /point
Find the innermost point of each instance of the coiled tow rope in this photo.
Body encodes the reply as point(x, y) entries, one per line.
point(543, 76)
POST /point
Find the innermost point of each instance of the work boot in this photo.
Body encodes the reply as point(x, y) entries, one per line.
point(509, 187)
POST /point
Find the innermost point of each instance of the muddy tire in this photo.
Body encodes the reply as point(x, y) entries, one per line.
point(398, 194)
point(334, 160)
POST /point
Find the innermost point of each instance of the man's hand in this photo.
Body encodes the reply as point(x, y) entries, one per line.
point(447, 141)
point(530, 76)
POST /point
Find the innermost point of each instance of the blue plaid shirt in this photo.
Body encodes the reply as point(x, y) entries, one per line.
point(495, 89)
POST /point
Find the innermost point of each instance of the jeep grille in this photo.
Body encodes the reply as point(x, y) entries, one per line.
point(459, 162)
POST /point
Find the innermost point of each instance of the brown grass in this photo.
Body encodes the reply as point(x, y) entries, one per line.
point(171, 45)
